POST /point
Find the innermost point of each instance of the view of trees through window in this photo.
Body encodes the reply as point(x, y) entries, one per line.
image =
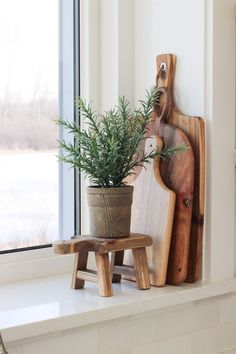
point(28, 133)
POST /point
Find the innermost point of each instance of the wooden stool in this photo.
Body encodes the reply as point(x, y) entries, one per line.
point(107, 273)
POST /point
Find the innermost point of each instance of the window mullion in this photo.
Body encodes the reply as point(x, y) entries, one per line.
point(66, 111)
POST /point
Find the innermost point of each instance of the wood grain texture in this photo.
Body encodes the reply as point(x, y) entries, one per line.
point(104, 274)
point(107, 272)
point(194, 128)
point(117, 259)
point(81, 260)
point(141, 268)
point(178, 175)
point(152, 213)
point(88, 274)
point(123, 270)
point(99, 245)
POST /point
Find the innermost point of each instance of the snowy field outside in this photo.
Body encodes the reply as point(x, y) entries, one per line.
point(28, 134)
point(29, 198)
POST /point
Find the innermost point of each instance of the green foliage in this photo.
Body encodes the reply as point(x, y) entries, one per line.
point(109, 149)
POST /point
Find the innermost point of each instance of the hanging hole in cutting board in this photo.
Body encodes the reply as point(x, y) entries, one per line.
point(163, 66)
point(162, 71)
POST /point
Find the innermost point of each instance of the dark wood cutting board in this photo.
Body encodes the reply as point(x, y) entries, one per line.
point(194, 128)
point(178, 175)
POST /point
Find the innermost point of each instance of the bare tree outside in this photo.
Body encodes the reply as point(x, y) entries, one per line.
point(28, 133)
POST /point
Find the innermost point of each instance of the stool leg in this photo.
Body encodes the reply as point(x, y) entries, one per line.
point(141, 268)
point(81, 259)
point(117, 259)
point(104, 274)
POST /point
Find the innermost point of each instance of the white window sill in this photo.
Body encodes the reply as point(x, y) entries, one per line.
point(41, 306)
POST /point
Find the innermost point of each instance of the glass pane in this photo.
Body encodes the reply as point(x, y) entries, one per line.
point(28, 133)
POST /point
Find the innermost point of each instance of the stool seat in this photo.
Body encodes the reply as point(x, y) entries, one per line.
point(107, 272)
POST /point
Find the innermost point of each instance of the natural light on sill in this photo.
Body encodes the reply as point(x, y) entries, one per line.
point(45, 305)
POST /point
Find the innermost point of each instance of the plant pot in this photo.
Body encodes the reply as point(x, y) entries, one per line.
point(110, 211)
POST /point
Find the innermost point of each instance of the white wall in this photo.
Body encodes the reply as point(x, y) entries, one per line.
point(220, 113)
point(175, 27)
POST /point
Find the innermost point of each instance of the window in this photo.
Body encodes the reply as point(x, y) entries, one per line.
point(36, 64)
point(28, 136)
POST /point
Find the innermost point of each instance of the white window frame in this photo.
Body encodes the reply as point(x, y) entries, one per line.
point(219, 86)
point(66, 111)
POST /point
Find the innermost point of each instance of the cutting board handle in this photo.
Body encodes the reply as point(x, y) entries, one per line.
point(166, 64)
point(161, 110)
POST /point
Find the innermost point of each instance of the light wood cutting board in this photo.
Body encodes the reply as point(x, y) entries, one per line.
point(152, 213)
point(194, 128)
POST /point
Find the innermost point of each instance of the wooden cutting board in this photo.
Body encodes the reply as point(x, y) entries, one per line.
point(178, 175)
point(194, 128)
point(152, 212)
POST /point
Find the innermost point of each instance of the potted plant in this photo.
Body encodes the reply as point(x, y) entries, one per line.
point(107, 151)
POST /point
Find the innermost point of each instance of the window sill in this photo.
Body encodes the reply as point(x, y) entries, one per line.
point(41, 306)
point(26, 265)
